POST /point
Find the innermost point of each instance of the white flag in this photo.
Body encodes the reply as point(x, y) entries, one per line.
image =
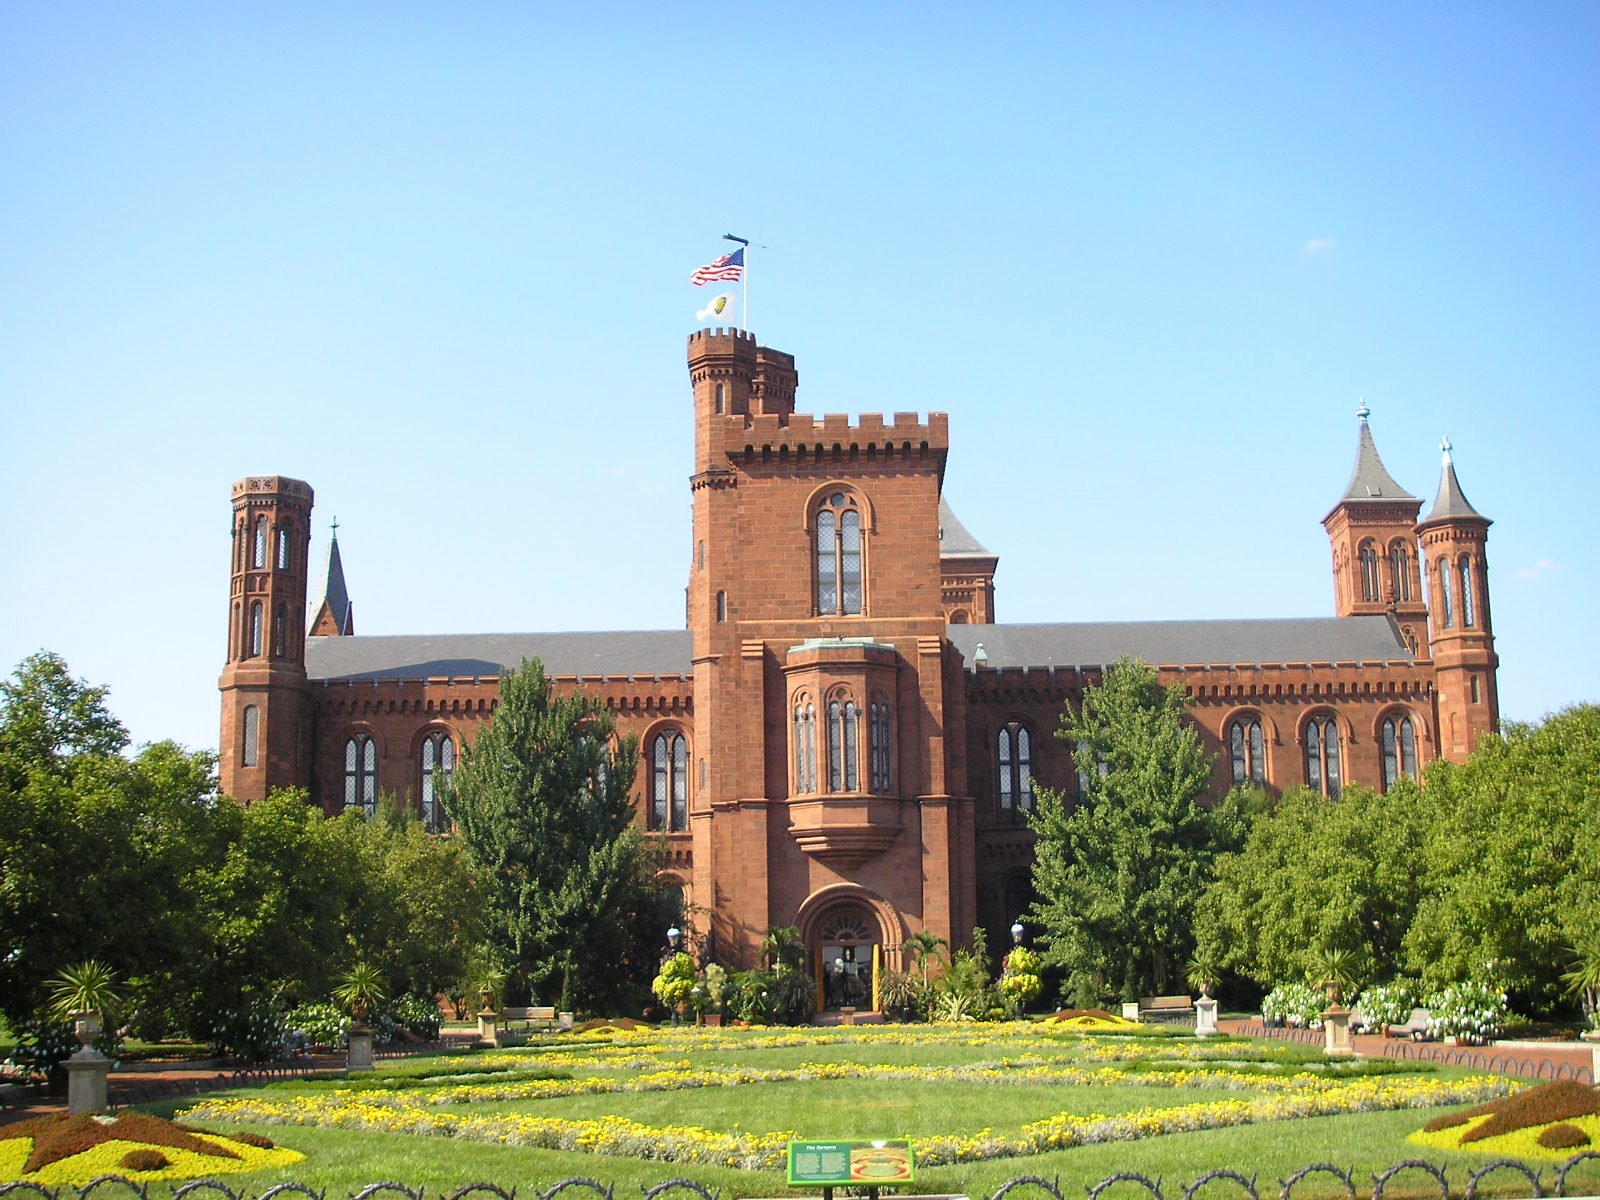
point(720, 306)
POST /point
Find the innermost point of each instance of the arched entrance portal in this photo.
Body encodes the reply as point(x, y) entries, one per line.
point(849, 958)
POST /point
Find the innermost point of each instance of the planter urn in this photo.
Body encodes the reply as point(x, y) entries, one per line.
point(88, 1069)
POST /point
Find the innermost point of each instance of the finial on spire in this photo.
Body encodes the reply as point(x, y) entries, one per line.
point(336, 529)
point(1444, 445)
point(1362, 410)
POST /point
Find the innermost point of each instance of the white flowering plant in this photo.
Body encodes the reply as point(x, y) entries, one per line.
point(1475, 1012)
point(1295, 1003)
point(1387, 1003)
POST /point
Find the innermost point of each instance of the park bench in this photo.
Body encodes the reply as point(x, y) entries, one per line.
point(1162, 1007)
point(528, 1018)
point(1416, 1028)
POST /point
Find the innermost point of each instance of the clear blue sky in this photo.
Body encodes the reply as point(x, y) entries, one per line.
point(433, 259)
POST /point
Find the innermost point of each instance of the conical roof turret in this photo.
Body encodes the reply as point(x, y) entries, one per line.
point(1451, 500)
point(334, 614)
point(1371, 479)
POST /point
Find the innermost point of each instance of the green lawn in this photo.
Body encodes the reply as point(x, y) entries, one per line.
point(945, 1103)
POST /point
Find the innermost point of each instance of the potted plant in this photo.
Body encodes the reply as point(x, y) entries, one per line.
point(1202, 973)
point(714, 982)
point(1337, 968)
point(490, 981)
point(361, 989)
point(85, 995)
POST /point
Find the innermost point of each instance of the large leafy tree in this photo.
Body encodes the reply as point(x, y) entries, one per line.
point(541, 802)
point(1317, 875)
point(1512, 864)
point(1118, 873)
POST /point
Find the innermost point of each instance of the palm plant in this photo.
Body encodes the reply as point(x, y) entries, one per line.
point(1583, 979)
point(1337, 966)
point(86, 987)
point(1202, 972)
point(361, 989)
point(784, 949)
point(925, 949)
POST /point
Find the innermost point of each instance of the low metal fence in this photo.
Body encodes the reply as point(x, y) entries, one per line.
point(1527, 1179)
point(1478, 1058)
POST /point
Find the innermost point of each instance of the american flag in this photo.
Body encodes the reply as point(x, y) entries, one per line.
point(728, 268)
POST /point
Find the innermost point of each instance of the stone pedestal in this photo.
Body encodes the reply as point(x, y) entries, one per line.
point(360, 1058)
point(1336, 1032)
point(1130, 1010)
point(1205, 1017)
point(86, 1081)
point(566, 1020)
point(489, 1027)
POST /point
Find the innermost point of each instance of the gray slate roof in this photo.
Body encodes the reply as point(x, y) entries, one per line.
point(1181, 643)
point(644, 653)
point(668, 653)
point(1451, 501)
point(1371, 480)
point(954, 539)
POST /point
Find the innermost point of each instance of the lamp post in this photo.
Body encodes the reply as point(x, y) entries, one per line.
point(675, 938)
point(1016, 933)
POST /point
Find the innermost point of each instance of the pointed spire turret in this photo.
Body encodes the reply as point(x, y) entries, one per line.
point(1371, 479)
point(1451, 500)
point(335, 614)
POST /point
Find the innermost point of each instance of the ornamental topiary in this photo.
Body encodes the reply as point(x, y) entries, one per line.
point(675, 983)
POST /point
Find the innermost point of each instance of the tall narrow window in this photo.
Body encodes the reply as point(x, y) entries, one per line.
point(438, 767)
point(1014, 752)
point(233, 631)
point(1323, 766)
point(1399, 750)
point(669, 783)
point(1369, 572)
point(283, 547)
point(258, 555)
point(722, 606)
point(852, 750)
point(361, 774)
point(805, 746)
point(1468, 616)
point(840, 584)
point(880, 729)
point(1447, 600)
point(1400, 565)
point(279, 624)
point(256, 631)
point(722, 397)
point(252, 736)
point(1248, 748)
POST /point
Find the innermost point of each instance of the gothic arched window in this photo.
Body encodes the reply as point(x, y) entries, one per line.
point(1369, 572)
point(1248, 749)
point(1400, 565)
point(256, 619)
point(1447, 601)
point(669, 782)
point(1014, 753)
point(283, 547)
point(1399, 750)
point(438, 767)
point(252, 736)
point(1468, 616)
point(878, 730)
point(361, 774)
point(844, 745)
point(838, 553)
point(1323, 764)
point(258, 554)
point(805, 746)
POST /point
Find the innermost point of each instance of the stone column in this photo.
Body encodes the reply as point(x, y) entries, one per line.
point(360, 1058)
point(1336, 1032)
point(1205, 1017)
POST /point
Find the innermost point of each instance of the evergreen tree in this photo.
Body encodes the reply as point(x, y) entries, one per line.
point(1118, 874)
point(541, 802)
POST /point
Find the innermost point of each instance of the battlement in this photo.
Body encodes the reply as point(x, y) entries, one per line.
point(272, 485)
point(737, 343)
point(834, 434)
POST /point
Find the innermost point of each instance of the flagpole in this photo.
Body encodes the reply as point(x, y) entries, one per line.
point(744, 280)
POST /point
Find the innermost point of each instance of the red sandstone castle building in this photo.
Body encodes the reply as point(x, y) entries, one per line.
point(843, 738)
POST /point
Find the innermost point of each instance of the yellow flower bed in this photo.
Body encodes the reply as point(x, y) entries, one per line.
point(106, 1159)
point(1519, 1143)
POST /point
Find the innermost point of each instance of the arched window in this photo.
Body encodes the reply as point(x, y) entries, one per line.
point(844, 742)
point(1249, 750)
point(722, 397)
point(839, 574)
point(1468, 616)
point(1369, 572)
point(1323, 765)
point(361, 774)
point(1447, 602)
point(283, 547)
point(1014, 752)
point(1400, 565)
point(879, 729)
point(805, 746)
point(258, 555)
point(1399, 750)
point(279, 625)
point(256, 619)
point(252, 736)
point(438, 767)
point(669, 782)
